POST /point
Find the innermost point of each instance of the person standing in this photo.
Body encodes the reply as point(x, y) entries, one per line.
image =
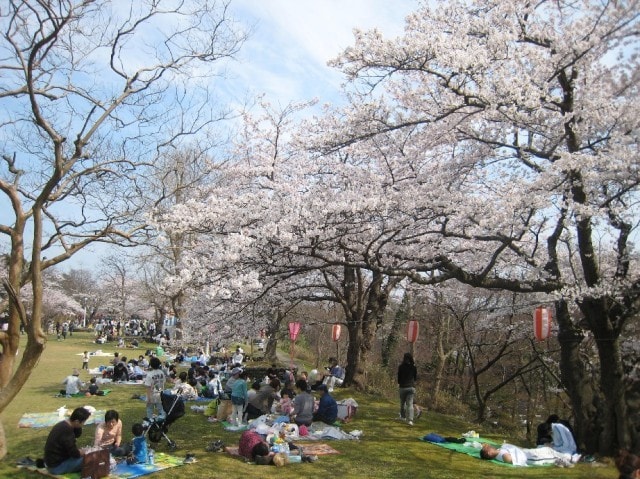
point(407, 376)
point(154, 381)
point(61, 453)
point(85, 360)
point(238, 399)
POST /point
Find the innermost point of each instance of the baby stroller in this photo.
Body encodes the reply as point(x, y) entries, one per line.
point(157, 428)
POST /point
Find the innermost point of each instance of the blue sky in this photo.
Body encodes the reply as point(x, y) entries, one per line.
point(286, 56)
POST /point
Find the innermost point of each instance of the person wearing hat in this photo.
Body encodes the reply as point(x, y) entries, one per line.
point(73, 384)
point(225, 407)
point(327, 407)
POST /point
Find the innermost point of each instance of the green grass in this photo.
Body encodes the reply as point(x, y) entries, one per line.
point(387, 449)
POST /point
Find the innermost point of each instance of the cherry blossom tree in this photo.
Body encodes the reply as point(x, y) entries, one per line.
point(505, 137)
point(495, 144)
point(91, 93)
point(265, 228)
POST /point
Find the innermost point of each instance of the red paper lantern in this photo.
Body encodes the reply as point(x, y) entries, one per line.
point(335, 332)
point(412, 331)
point(294, 329)
point(542, 323)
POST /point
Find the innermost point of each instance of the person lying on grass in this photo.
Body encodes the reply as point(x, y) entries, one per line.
point(518, 456)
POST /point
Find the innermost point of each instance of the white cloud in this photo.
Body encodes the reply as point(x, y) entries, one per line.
point(286, 56)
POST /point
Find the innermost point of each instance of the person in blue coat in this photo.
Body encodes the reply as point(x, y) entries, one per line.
point(327, 408)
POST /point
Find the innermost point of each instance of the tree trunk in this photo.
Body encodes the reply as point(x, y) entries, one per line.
point(364, 303)
point(390, 341)
point(613, 415)
point(578, 384)
point(3, 441)
point(353, 375)
point(273, 326)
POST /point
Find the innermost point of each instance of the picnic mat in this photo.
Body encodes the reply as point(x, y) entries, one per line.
point(81, 395)
point(124, 470)
point(48, 419)
point(198, 399)
point(233, 427)
point(98, 352)
point(467, 448)
point(313, 449)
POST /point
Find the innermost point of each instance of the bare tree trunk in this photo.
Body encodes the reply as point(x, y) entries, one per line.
point(364, 305)
point(617, 427)
point(577, 383)
point(273, 326)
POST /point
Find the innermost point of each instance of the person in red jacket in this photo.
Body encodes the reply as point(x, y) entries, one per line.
point(253, 447)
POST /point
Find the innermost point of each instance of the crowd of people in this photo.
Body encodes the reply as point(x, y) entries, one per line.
point(273, 393)
point(304, 398)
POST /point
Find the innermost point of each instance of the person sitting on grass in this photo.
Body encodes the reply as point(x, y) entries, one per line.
point(61, 453)
point(94, 389)
point(73, 384)
point(303, 403)
point(109, 434)
point(139, 448)
point(335, 376)
point(327, 408)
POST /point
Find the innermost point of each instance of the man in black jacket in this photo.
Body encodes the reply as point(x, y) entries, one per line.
point(61, 453)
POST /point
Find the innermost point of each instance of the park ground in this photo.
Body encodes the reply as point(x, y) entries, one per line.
point(387, 448)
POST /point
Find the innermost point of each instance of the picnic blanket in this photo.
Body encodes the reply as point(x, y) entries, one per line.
point(472, 448)
point(49, 419)
point(97, 352)
point(81, 395)
point(318, 430)
point(313, 449)
point(198, 399)
point(123, 470)
point(228, 426)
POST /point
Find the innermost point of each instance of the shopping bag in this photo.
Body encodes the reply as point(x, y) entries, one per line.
point(95, 464)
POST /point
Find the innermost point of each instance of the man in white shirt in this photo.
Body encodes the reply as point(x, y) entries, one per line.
point(237, 357)
point(154, 381)
point(72, 383)
point(519, 456)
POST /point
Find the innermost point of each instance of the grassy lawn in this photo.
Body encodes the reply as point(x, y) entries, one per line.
point(387, 449)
